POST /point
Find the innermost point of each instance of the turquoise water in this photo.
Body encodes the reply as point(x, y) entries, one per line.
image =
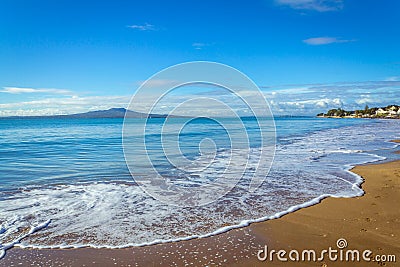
point(52, 151)
point(70, 175)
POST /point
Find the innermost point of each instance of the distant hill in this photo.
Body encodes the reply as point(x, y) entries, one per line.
point(115, 113)
point(109, 113)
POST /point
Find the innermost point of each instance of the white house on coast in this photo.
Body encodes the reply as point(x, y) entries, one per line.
point(381, 111)
point(392, 110)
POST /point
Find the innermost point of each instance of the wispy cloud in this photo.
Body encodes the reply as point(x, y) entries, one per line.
point(199, 46)
point(312, 99)
point(306, 99)
point(365, 100)
point(393, 79)
point(62, 105)
point(320, 103)
point(153, 83)
point(316, 5)
point(325, 40)
point(24, 90)
point(142, 27)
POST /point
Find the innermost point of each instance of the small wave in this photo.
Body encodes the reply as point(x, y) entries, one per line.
point(345, 151)
point(33, 229)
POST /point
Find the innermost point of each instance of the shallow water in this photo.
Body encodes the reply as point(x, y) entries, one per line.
point(71, 176)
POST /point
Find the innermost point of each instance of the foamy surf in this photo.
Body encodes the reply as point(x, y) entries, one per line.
point(33, 229)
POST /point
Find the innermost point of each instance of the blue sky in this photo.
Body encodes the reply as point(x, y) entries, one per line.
point(306, 55)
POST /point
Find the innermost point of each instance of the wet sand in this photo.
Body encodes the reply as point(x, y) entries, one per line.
point(368, 222)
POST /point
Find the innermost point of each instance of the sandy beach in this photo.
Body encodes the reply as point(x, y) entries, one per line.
point(370, 222)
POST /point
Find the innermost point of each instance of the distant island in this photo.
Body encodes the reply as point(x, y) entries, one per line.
point(109, 113)
point(388, 112)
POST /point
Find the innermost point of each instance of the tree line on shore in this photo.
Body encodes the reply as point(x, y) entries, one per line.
point(390, 111)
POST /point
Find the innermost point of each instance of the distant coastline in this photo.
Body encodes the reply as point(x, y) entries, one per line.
point(388, 112)
point(113, 113)
point(105, 114)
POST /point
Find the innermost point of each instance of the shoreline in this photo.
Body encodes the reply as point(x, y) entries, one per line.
point(238, 247)
point(350, 117)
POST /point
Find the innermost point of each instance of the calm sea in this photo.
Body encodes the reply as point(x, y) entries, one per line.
point(65, 183)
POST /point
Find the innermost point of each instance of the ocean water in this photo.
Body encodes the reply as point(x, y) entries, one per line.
point(64, 182)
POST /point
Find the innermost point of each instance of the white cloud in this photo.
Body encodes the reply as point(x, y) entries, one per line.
point(143, 27)
point(393, 79)
point(22, 90)
point(303, 107)
point(325, 40)
point(316, 102)
point(367, 100)
point(315, 98)
point(284, 100)
point(199, 46)
point(316, 5)
point(161, 83)
point(62, 105)
point(287, 90)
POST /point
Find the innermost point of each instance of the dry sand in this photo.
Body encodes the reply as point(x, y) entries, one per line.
point(368, 222)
